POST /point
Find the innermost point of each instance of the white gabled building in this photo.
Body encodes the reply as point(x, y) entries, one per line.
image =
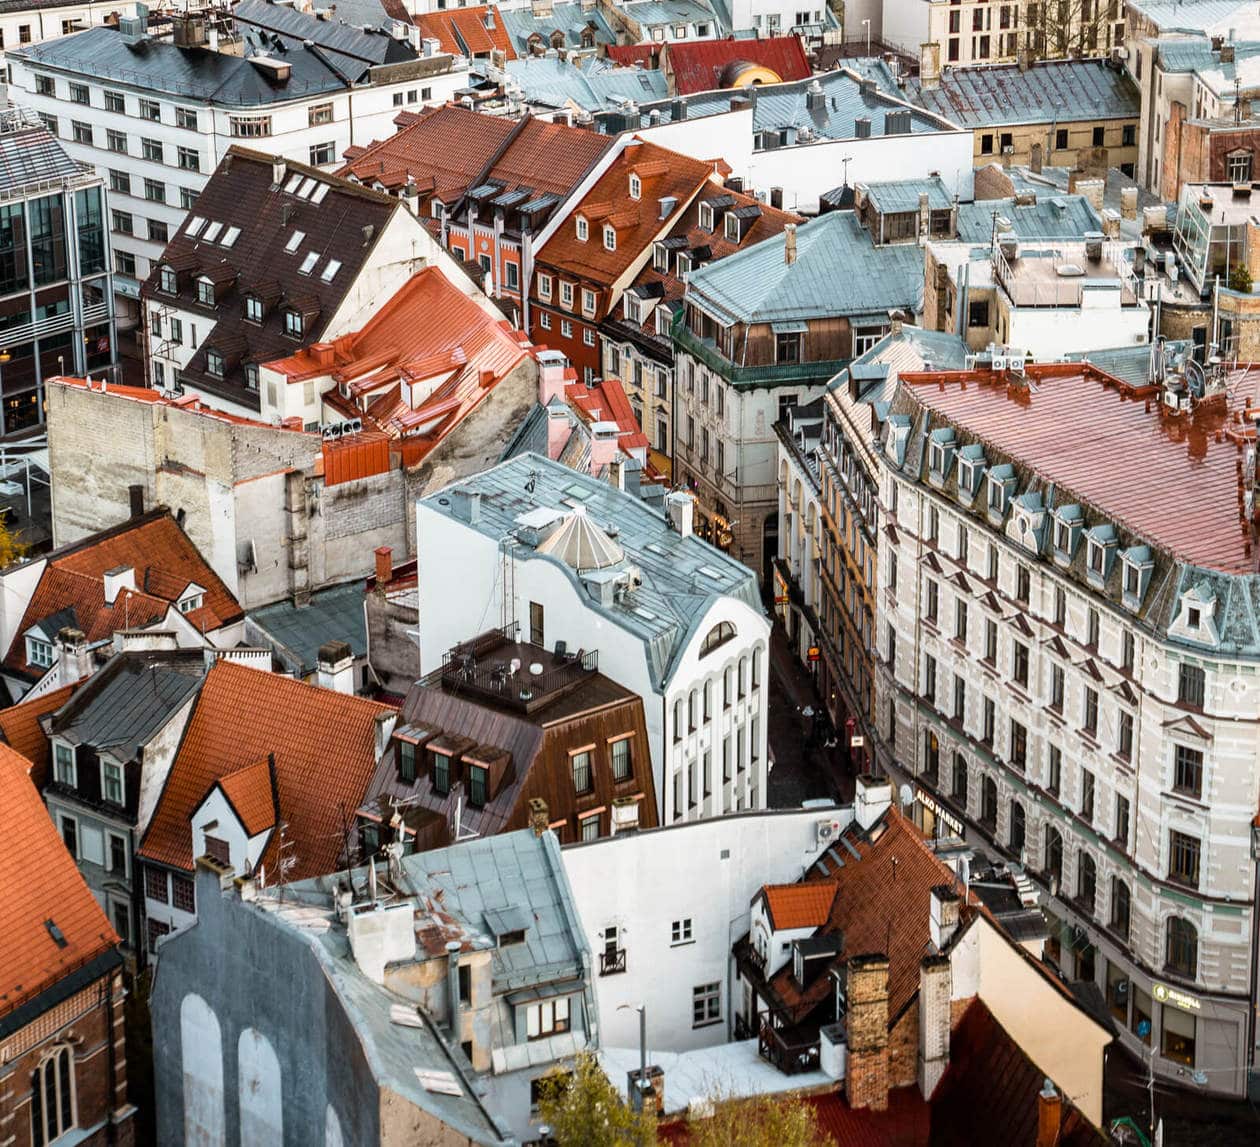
point(155, 116)
point(576, 562)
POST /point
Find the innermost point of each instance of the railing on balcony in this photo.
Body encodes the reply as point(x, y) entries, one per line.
point(792, 1050)
point(612, 962)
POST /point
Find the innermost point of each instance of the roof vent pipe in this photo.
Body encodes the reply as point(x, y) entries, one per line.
point(789, 244)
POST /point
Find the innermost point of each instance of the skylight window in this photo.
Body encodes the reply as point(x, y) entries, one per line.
point(195, 226)
point(320, 192)
point(212, 231)
point(330, 270)
point(710, 572)
point(308, 264)
point(230, 236)
point(308, 185)
point(295, 241)
point(293, 182)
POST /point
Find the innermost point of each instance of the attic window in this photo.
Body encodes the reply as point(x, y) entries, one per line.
point(683, 264)
point(294, 180)
point(195, 226)
point(308, 264)
point(636, 186)
point(214, 364)
point(510, 938)
point(253, 308)
point(295, 241)
point(191, 602)
point(205, 292)
point(1194, 617)
point(293, 324)
point(320, 191)
point(583, 231)
point(660, 257)
point(168, 281)
point(39, 653)
point(732, 228)
point(610, 237)
point(308, 185)
point(330, 270)
point(212, 231)
point(230, 236)
point(706, 216)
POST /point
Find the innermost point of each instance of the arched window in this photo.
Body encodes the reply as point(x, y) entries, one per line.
point(1182, 956)
point(1054, 853)
point(52, 1097)
point(988, 801)
point(1019, 828)
point(1086, 882)
point(1120, 907)
point(722, 632)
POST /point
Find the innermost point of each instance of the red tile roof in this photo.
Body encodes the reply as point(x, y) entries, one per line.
point(464, 32)
point(21, 731)
point(165, 562)
point(252, 794)
point(606, 401)
point(324, 744)
point(647, 56)
point(969, 1111)
point(702, 65)
point(1122, 438)
point(423, 362)
point(806, 905)
point(40, 889)
point(662, 174)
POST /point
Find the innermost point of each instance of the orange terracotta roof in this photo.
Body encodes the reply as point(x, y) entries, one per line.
point(465, 32)
point(41, 889)
point(663, 174)
point(806, 905)
point(252, 795)
point(646, 56)
point(1120, 443)
point(324, 745)
point(21, 731)
point(165, 562)
point(606, 401)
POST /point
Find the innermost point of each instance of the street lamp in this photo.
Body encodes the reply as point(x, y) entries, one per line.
point(636, 1096)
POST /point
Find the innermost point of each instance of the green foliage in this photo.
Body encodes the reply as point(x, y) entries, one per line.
point(1240, 279)
point(11, 548)
point(585, 1110)
point(765, 1121)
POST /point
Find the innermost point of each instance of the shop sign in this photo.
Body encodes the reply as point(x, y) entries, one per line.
point(1166, 995)
point(942, 814)
point(814, 653)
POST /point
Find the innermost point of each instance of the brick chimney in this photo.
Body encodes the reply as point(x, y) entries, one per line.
point(943, 921)
point(929, 66)
point(384, 565)
point(868, 1032)
point(1049, 1116)
point(789, 243)
point(935, 983)
point(335, 667)
point(74, 660)
point(538, 814)
point(872, 799)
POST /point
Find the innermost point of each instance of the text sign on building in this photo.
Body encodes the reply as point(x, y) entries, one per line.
point(1166, 995)
point(942, 814)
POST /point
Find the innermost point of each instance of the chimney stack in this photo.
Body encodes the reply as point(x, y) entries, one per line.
point(897, 317)
point(681, 509)
point(118, 579)
point(935, 986)
point(617, 474)
point(789, 243)
point(873, 799)
point(336, 667)
point(538, 814)
point(867, 1082)
point(452, 986)
point(944, 907)
point(384, 566)
point(1049, 1116)
point(277, 171)
point(929, 66)
point(74, 662)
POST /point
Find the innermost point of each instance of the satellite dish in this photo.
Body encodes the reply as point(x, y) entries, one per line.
point(906, 793)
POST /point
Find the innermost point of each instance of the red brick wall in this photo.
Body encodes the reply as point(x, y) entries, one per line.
point(85, 1023)
point(574, 348)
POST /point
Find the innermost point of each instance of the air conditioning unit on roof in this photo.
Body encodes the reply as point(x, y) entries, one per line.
point(827, 831)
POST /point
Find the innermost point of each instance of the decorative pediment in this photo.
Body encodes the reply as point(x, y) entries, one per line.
point(1187, 726)
point(1055, 645)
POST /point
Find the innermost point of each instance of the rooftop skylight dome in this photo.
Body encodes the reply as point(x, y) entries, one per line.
point(581, 544)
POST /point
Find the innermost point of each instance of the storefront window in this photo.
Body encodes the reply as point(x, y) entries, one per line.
point(1177, 1029)
point(1118, 992)
point(1140, 1020)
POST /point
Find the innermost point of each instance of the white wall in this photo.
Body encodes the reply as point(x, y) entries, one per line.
point(244, 851)
point(707, 871)
point(1050, 332)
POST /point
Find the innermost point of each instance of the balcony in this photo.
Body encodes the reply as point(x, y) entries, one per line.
point(775, 374)
point(792, 1050)
point(612, 963)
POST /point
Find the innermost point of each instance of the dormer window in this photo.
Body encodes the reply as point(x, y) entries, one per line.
point(1001, 483)
point(1196, 618)
point(168, 281)
point(1100, 553)
point(588, 302)
point(684, 264)
point(1137, 565)
point(660, 258)
point(970, 470)
point(732, 228)
point(205, 292)
point(293, 324)
point(566, 294)
point(582, 228)
point(636, 186)
point(941, 453)
point(610, 237)
point(1068, 524)
point(191, 602)
point(631, 309)
point(214, 364)
point(251, 376)
point(253, 308)
point(64, 768)
point(544, 287)
point(39, 653)
point(706, 216)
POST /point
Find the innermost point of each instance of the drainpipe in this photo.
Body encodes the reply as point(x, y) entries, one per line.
point(111, 1128)
point(1255, 948)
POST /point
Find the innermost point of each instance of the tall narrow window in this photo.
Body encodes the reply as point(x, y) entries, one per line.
point(52, 1097)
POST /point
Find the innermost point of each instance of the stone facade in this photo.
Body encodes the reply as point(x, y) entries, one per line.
point(869, 1051)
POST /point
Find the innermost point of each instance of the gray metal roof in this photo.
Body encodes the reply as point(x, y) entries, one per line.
point(588, 83)
point(349, 44)
point(191, 73)
point(901, 195)
point(1199, 16)
point(1195, 55)
point(650, 12)
point(1053, 91)
point(334, 614)
point(515, 877)
point(31, 154)
point(521, 23)
point(757, 285)
point(911, 349)
point(128, 700)
point(681, 576)
point(1051, 217)
point(1131, 364)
